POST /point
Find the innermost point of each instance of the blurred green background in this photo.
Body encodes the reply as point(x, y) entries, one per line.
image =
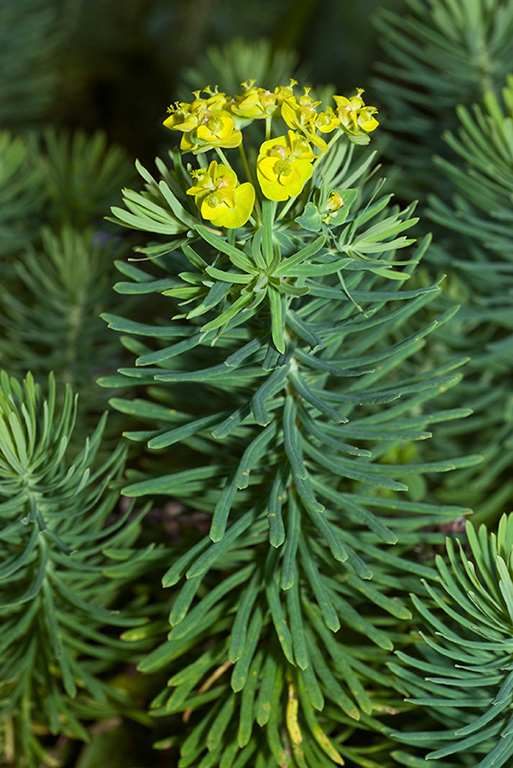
point(117, 64)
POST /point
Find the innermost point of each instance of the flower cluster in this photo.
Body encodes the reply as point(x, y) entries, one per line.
point(219, 196)
point(284, 163)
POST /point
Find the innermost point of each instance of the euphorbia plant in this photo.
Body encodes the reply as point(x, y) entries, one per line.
point(287, 376)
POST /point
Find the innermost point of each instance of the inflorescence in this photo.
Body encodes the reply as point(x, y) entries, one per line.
point(284, 163)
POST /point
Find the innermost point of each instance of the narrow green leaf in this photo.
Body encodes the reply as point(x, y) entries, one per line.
point(330, 683)
point(179, 211)
point(222, 508)
point(247, 706)
point(240, 624)
point(229, 313)
point(231, 422)
point(309, 395)
point(291, 543)
point(289, 264)
point(319, 588)
point(328, 530)
point(268, 209)
point(253, 453)
point(359, 623)
point(268, 681)
point(218, 728)
point(169, 484)
point(207, 558)
point(321, 738)
point(277, 318)
point(172, 436)
point(292, 438)
point(229, 277)
point(197, 614)
point(356, 510)
point(391, 605)
point(238, 357)
point(182, 602)
point(313, 687)
point(275, 503)
point(296, 624)
point(176, 571)
point(321, 365)
point(273, 383)
point(274, 726)
point(275, 606)
point(241, 669)
point(193, 746)
point(237, 257)
point(464, 745)
point(303, 330)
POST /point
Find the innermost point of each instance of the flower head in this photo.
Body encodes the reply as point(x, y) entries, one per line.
point(300, 113)
point(215, 129)
point(205, 123)
point(284, 165)
point(327, 121)
point(285, 92)
point(334, 202)
point(186, 116)
point(254, 102)
point(212, 120)
point(355, 117)
point(219, 196)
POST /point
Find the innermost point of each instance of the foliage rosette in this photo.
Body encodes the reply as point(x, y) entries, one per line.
point(461, 674)
point(479, 215)
point(59, 577)
point(279, 399)
point(424, 41)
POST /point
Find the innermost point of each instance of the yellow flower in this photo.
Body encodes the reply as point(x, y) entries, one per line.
point(220, 198)
point(366, 121)
point(185, 117)
point(355, 117)
point(254, 102)
point(285, 91)
point(205, 123)
point(284, 165)
point(215, 129)
point(334, 202)
point(326, 122)
point(301, 114)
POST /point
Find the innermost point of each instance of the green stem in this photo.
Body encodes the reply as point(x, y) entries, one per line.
point(268, 211)
point(245, 163)
point(223, 158)
point(250, 177)
point(268, 122)
point(287, 206)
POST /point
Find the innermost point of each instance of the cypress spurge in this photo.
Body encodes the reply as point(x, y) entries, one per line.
point(65, 555)
point(463, 679)
point(285, 396)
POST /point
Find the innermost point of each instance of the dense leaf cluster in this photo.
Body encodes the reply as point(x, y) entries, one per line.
point(57, 580)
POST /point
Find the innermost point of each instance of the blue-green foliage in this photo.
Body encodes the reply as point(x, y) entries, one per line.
point(464, 678)
point(478, 226)
point(28, 66)
point(293, 383)
point(439, 53)
point(283, 394)
point(57, 580)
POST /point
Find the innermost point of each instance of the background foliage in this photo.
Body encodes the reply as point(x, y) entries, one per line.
point(263, 648)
